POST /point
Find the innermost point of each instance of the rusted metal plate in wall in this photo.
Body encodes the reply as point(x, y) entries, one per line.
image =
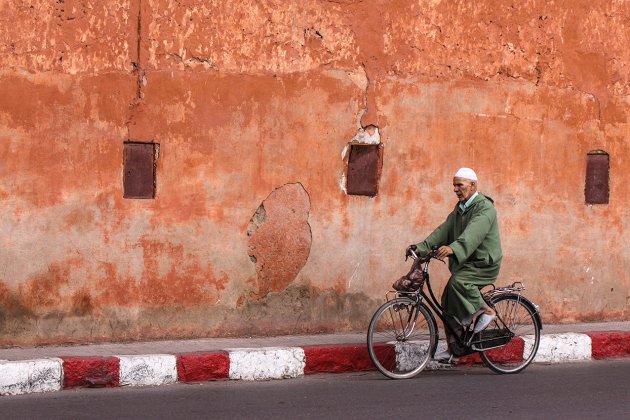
point(363, 166)
point(597, 189)
point(139, 170)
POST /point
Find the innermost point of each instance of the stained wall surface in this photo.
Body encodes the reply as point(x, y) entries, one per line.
point(253, 104)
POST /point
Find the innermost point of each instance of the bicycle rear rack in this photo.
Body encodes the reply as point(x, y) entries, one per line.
point(516, 287)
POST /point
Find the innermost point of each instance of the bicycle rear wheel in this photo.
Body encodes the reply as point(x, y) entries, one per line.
point(401, 338)
point(520, 351)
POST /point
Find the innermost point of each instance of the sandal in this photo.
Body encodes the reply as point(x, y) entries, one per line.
point(483, 321)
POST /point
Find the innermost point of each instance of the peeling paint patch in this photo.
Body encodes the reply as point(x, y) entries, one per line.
point(367, 135)
point(279, 238)
point(359, 78)
point(342, 183)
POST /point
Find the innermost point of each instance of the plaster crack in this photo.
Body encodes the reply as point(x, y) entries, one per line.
point(312, 32)
point(202, 60)
point(594, 97)
point(365, 98)
point(188, 61)
point(137, 70)
point(138, 66)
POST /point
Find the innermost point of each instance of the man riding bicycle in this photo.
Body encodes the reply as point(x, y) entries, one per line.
point(470, 239)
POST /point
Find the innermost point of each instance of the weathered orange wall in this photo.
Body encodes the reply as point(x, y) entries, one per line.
point(252, 103)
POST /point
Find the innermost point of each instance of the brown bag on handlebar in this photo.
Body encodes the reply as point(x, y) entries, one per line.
point(412, 281)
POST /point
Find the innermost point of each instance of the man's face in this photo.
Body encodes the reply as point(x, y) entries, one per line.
point(464, 188)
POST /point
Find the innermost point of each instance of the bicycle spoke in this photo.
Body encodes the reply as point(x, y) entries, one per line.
point(400, 338)
point(520, 351)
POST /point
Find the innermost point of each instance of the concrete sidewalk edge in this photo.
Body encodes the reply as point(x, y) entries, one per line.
point(54, 374)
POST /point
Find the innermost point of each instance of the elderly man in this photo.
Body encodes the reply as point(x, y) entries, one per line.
point(470, 239)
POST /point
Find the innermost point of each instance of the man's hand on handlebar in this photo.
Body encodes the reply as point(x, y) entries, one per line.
point(440, 253)
point(408, 252)
point(443, 252)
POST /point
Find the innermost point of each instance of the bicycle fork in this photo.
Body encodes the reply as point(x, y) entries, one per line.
point(408, 325)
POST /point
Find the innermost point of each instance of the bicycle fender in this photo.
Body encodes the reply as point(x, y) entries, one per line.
point(535, 309)
point(526, 302)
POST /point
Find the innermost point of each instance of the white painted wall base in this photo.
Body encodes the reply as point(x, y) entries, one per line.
point(267, 363)
point(559, 348)
point(143, 370)
point(26, 376)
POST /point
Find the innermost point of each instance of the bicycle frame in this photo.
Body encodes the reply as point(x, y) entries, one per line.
point(465, 339)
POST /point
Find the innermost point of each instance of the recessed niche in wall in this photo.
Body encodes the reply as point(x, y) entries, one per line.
point(364, 164)
point(139, 162)
point(597, 188)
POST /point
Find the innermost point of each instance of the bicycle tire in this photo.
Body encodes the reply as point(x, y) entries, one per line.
point(401, 338)
point(519, 316)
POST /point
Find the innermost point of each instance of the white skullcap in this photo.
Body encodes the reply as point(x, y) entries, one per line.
point(466, 173)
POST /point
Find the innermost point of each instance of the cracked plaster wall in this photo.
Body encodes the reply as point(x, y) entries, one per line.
point(279, 239)
point(246, 97)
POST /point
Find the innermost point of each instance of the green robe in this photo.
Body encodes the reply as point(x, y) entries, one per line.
point(473, 234)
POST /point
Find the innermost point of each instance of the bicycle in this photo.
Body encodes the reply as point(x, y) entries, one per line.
point(403, 333)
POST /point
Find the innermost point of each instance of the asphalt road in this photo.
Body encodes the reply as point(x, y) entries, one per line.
point(571, 391)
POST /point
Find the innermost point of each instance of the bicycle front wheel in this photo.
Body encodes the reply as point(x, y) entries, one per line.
point(401, 338)
point(520, 351)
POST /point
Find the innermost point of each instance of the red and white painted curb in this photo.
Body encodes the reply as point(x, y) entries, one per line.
point(54, 374)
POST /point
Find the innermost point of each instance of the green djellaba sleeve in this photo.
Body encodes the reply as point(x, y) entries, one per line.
point(438, 237)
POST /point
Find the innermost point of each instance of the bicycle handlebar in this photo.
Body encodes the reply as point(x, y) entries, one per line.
point(431, 254)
